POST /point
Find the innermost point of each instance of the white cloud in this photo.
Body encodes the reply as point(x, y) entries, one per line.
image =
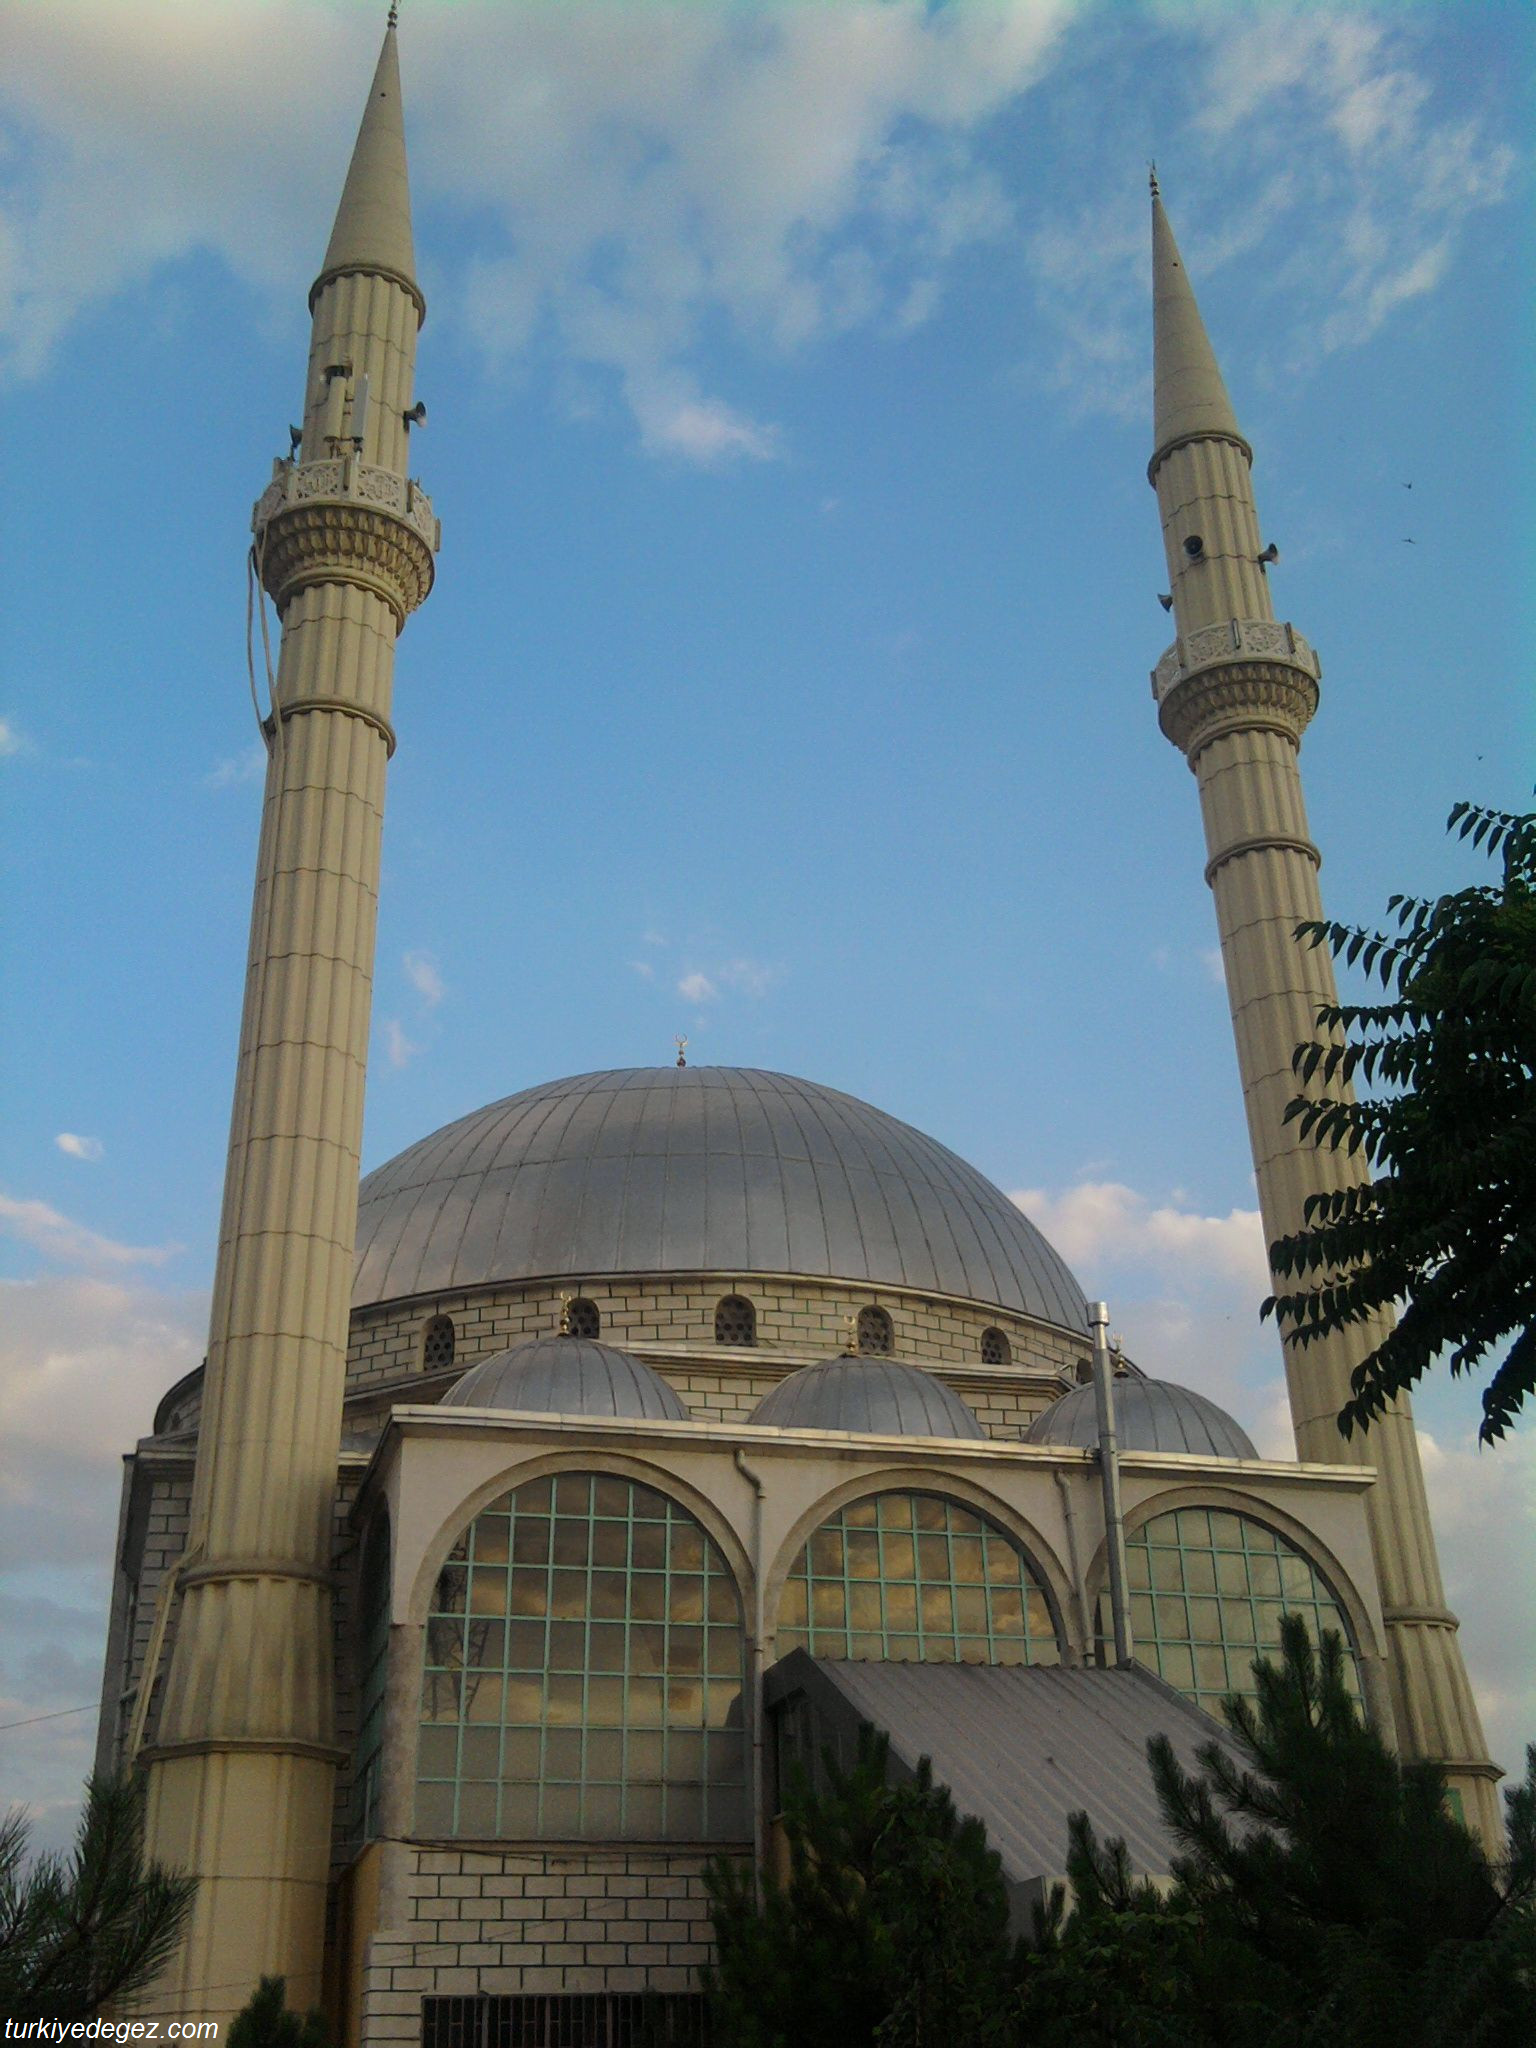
point(398, 1049)
point(76, 1147)
point(72, 1244)
point(796, 170)
point(424, 976)
point(11, 741)
point(697, 988)
point(751, 978)
point(1339, 177)
point(644, 969)
point(1483, 1504)
point(83, 1362)
point(235, 770)
point(1101, 1222)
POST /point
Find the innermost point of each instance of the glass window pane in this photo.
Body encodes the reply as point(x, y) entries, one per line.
point(1241, 1577)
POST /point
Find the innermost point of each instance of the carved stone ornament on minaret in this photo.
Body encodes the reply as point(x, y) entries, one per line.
point(242, 1758)
point(1234, 693)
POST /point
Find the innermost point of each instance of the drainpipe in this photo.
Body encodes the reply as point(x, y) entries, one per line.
point(1080, 1620)
point(1109, 1478)
point(759, 1658)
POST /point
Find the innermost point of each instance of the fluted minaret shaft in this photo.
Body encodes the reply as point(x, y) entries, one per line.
point(243, 1761)
point(1235, 692)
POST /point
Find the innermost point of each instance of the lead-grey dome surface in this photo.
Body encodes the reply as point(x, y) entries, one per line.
point(697, 1169)
point(567, 1376)
point(871, 1396)
point(1150, 1415)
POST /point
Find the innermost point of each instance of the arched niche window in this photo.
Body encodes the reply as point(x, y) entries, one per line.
point(995, 1348)
point(916, 1578)
point(876, 1335)
point(582, 1318)
point(584, 1673)
point(437, 1344)
point(372, 1671)
point(1208, 1589)
point(735, 1320)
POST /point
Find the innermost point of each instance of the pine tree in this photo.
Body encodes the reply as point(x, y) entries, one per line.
point(266, 2021)
point(79, 1932)
point(891, 1931)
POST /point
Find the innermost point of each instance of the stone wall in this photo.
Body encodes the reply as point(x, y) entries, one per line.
point(498, 1921)
point(802, 1319)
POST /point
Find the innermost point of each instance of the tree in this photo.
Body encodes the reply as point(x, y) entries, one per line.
point(891, 1931)
point(1447, 1227)
point(1324, 1893)
point(266, 2021)
point(77, 1933)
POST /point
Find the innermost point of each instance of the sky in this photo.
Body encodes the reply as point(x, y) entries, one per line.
point(785, 681)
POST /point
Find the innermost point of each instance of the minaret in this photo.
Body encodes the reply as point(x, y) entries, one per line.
point(241, 1773)
point(1235, 692)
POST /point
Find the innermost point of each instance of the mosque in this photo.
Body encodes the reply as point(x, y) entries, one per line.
point(626, 1439)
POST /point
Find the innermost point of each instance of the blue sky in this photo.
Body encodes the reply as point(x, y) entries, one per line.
point(785, 683)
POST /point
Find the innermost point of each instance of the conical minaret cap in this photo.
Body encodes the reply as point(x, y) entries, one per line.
point(373, 221)
point(1189, 397)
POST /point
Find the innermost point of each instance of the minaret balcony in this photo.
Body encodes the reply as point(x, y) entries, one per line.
point(343, 479)
point(343, 519)
point(1227, 641)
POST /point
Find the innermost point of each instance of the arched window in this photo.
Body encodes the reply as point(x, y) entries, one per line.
point(584, 1673)
point(875, 1333)
point(995, 1348)
point(372, 1670)
point(1208, 1589)
point(735, 1320)
point(916, 1578)
point(437, 1344)
point(582, 1318)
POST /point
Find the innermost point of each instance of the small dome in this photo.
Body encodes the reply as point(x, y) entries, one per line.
point(871, 1396)
point(1150, 1415)
point(567, 1376)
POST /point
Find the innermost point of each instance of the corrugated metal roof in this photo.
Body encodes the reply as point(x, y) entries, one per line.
point(1021, 1748)
point(697, 1169)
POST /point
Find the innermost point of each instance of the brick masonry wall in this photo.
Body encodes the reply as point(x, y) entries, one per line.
point(601, 1919)
point(804, 1319)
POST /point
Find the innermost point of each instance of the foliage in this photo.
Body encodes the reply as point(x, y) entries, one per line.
point(266, 2021)
point(1448, 1225)
point(1324, 1893)
point(78, 1932)
point(890, 1932)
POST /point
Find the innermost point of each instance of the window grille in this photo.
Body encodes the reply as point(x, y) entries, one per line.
point(584, 1673)
point(583, 2019)
point(1208, 1589)
point(995, 1348)
point(735, 1321)
point(437, 1344)
point(875, 1332)
point(916, 1578)
point(582, 1318)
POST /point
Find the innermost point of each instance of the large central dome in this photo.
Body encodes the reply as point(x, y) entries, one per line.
point(697, 1169)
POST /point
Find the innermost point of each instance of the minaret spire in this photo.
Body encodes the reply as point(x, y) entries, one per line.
point(372, 233)
point(1189, 396)
point(243, 1753)
point(1235, 693)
